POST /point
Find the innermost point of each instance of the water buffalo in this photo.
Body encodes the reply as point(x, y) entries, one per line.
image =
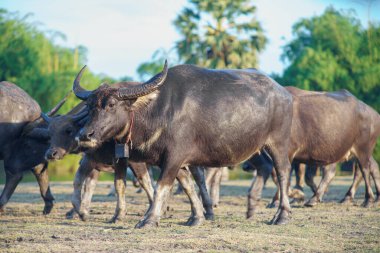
point(23, 142)
point(62, 130)
point(187, 115)
point(330, 127)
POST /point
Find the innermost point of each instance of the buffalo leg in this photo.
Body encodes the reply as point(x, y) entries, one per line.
point(199, 177)
point(276, 197)
point(142, 175)
point(375, 173)
point(328, 175)
point(164, 184)
point(11, 182)
point(364, 167)
point(82, 173)
point(311, 171)
point(185, 180)
point(88, 190)
point(213, 180)
point(215, 187)
point(297, 192)
point(41, 174)
point(120, 184)
point(86, 195)
point(350, 195)
point(255, 191)
point(283, 168)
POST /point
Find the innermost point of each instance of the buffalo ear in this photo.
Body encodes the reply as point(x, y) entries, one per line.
point(39, 133)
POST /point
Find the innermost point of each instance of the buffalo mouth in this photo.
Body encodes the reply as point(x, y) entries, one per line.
point(87, 144)
point(55, 154)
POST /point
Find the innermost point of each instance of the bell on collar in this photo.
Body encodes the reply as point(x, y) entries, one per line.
point(121, 150)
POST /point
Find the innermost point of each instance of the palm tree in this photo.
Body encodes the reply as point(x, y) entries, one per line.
point(219, 34)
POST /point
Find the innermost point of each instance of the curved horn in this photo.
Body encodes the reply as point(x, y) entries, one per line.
point(45, 117)
point(78, 90)
point(82, 122)
point(58, 106)
point(143, 89)
point(80, 115)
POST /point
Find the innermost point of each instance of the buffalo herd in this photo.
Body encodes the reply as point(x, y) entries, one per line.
point(191, 122)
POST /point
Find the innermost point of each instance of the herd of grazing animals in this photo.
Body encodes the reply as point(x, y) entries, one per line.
point(185, 120)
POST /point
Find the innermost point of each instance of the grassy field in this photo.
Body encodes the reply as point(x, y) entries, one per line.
point(329, 227)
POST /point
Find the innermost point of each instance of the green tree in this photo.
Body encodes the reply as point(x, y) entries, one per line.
point(149, 68)
point(219, 34)
point(30, 59)
point(333, 51)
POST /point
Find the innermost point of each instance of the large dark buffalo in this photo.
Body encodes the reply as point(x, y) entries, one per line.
point(330, 127)
point(193, 116)
point(23, 142)
point(62, 131)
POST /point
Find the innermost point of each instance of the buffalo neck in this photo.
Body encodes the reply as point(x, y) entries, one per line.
point(146, 137)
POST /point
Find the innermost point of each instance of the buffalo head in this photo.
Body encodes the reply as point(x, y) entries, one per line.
point(111, 109)
point(29, 149)
point(62, 131)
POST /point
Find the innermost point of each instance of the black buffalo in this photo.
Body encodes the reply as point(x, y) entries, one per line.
point(62, 131)
point(23, 142)
point(188, 115)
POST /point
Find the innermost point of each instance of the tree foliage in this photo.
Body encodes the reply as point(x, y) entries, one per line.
point(219, 34)
point(30, 59)
point(334, 51)
point(149, 68)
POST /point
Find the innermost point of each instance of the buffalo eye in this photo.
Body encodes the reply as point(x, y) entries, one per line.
point(111, 105)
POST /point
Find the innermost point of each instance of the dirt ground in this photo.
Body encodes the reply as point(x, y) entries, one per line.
point(329, 227)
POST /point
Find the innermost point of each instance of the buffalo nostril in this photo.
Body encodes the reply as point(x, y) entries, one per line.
point(90, 134)
point(54, 154)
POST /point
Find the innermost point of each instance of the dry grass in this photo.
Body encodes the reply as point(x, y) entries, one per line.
point(329, 227)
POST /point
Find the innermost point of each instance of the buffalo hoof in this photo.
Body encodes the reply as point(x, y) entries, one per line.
point(281, 219)
point(116, 218)
point(140, 190)
point(297, 194)
point(70, 214)
point(250, 213)
point(147, 223)
point(312, 202)
point(194, 221)
point(48, 207)
point(368, 203)
point(274, 204)
point(347, 200)
point(297, 201)
point(2, 210)
point(83, 216)
point(209, 216)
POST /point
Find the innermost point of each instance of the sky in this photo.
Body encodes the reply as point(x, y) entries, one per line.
point(121, 34)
